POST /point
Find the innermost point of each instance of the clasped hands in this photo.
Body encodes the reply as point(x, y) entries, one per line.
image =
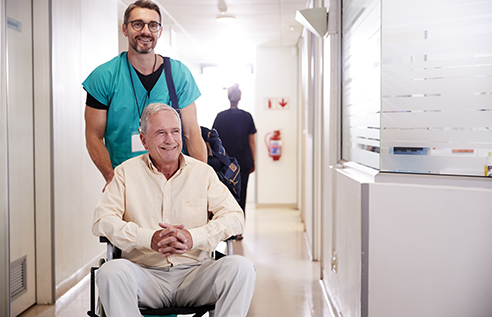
point(171, 239)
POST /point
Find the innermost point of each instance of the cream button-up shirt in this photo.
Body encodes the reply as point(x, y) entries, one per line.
point(139, 197)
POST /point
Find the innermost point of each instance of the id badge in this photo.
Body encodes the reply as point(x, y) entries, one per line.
point(137, 145)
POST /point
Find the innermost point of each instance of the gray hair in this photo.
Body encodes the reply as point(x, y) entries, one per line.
point(144, 4)
point(152, 109)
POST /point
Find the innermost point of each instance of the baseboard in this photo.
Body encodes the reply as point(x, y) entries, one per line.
point(335, 312)
point(76, 277)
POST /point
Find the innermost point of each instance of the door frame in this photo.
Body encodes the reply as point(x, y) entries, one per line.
point(43, 149)
point(4, 197)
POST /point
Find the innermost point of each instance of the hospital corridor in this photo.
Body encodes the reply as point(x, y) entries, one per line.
point(361, 129)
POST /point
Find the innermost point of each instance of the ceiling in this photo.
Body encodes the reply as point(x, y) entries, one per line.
point(200, 38)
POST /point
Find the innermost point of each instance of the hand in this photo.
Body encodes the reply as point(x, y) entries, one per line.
point(108, 177)
point(171, 240)
point(107, 183)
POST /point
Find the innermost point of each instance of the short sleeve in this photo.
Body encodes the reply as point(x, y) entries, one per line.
point(93, 103)
point(252, 127)
point(97, 85)
point(101, 83)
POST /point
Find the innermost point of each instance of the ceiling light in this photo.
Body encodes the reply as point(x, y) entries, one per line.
point(224, 18)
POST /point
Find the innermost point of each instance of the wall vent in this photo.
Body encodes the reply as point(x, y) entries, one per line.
point(18, 283)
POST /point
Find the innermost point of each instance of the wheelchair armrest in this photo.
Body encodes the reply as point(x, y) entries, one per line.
point(115, 253)
point(229, 247)
point(219, 252)
point(112, 251)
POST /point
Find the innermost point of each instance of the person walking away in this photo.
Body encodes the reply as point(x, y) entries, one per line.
point(237, 131)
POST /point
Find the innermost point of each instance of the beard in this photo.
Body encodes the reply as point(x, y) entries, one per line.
point(134, 45)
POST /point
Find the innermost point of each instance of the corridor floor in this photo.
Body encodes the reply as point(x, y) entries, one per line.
point(287, 282)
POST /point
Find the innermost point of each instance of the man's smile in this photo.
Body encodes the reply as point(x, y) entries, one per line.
point(145, 39)
point(169, 148)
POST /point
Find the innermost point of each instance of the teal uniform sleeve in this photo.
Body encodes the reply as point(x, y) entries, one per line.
point(96, 85)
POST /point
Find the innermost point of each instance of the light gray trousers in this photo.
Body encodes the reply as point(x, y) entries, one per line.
point(228, 282)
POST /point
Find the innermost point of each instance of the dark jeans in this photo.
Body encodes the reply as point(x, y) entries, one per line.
point(244, 186)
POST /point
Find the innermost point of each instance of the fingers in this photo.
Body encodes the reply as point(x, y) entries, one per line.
point(171, 236)
point(169, 230)
point(168, 226)
point(173, 248)
point(171, 252)
point(170, 240)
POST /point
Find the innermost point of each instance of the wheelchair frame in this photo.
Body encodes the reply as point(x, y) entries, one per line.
point(115, 253)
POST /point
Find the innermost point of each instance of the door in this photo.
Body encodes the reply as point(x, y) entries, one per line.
point(21, 154)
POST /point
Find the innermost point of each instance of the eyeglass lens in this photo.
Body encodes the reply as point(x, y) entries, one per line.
point(139, 25)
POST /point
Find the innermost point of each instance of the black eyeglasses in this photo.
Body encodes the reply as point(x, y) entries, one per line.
point(138, 25)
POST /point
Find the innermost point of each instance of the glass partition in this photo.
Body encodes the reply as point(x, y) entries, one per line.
point(361, 81)
point(437, 86)
point(417, 85)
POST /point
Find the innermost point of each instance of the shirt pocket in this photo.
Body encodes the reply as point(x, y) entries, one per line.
point(194, 212)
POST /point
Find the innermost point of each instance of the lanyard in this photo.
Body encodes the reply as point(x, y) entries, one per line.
point(147, 95)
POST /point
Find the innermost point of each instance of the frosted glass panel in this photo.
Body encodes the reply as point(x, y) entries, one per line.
point(436, 103)
point(361, 81)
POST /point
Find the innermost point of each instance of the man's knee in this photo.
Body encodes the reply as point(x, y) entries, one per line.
point(236, 287)
point(243, 269)
point(115, 271)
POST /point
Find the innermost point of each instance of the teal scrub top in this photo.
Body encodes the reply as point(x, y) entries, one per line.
point(111, 85)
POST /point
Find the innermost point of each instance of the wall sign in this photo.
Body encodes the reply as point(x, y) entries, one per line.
point(14, 24)
point(277, 103)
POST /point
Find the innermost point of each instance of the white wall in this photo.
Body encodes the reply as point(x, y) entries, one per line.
point(429, 250)
point(276, 77)
point(409, 245)
point(84, 36)
point(342, 229)
point(21, 148)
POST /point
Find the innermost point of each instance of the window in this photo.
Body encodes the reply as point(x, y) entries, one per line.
point(421, 101)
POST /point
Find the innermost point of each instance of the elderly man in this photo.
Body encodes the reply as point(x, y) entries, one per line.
point(156, 209)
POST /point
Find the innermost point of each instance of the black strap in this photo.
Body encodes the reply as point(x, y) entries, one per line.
point(173, 96)
point(219, 155)
point(170, 85)
point(222, 158)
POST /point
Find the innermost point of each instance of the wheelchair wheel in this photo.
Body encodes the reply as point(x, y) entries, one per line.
point(99, 304)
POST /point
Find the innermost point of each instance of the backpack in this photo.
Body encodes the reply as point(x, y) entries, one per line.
point(226, 167)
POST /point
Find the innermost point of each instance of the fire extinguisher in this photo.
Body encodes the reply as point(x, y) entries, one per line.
point(274, 144)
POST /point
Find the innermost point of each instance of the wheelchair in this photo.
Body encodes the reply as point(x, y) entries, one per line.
point(115, 253)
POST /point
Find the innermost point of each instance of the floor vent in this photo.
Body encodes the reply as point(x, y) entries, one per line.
point(18, 283)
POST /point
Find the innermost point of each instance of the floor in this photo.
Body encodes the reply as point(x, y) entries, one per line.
point(287, 282)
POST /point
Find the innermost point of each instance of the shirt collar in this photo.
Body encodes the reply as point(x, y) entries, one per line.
point(182, 163)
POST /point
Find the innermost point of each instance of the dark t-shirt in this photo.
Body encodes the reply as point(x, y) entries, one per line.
point(148, 81)
point(234, 127)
